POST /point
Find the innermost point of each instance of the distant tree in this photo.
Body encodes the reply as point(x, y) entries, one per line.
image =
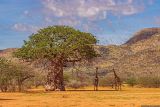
point(106, 81)
point(132, 81)
point(149, 81)
point(58, 45)
point(75, 84)
point(21, 74)
point(5, 74)
point(13, 75)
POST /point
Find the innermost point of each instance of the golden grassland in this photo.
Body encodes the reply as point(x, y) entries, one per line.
point(106, 97)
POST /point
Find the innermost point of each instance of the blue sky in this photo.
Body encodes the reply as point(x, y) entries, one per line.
point(112, 21)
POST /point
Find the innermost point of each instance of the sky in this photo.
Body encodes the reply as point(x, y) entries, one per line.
point(111, 21)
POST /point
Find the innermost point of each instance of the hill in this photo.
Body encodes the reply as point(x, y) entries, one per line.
point(138, 56)
point(144, 58)
point(143, 34)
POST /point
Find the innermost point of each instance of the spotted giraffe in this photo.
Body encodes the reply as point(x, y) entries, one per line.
point(117, 81)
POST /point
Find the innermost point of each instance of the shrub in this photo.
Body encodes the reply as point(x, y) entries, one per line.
point(13, 76)
point(150, 81)
point(131, 81)
point(106, 81)
point(67, 78)
point(76, 84)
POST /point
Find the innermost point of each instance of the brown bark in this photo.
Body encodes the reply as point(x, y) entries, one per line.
point(55, 77)
point(4, 88)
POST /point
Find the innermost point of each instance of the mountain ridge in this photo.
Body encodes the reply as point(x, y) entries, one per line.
point(143, 34)
point(136, 58)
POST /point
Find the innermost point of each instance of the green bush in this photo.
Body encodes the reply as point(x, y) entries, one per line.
point(149, 81)
point(67, 78)
point(106, 81)
point(131, 81)
point(13, 76)
point(76, 84)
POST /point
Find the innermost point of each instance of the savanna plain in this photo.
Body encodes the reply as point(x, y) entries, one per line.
point(105, 97)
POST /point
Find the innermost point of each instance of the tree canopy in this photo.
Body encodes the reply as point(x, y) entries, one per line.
point(58, 41)
point(58, 45)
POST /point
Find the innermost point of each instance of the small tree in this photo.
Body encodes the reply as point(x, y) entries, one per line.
point(149, 81)
point(58, 45)
point(131, 81)
point(107, 81)
point(21, 74)
point(13, 75)
point(5, 76)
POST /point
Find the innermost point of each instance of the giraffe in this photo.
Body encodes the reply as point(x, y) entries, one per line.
point(117, 81)
point(96, 80)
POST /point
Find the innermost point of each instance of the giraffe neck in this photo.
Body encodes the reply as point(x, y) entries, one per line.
point(96, 72)
point(115, 74)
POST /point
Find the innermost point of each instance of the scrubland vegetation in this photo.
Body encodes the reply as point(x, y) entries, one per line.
point(59, 58)
point(20, 78)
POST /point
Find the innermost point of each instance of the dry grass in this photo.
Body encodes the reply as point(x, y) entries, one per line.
point(131, 97)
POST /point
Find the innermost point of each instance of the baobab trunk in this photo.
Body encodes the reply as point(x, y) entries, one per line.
point(57, 74)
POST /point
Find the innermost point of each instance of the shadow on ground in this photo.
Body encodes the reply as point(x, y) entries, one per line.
point(5, 99)
point(70, 90)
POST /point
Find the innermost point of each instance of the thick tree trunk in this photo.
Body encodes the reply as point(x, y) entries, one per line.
point(4, 88)
point(55, 77)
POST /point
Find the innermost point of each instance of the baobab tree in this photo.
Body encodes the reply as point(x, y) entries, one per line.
point(58, 45)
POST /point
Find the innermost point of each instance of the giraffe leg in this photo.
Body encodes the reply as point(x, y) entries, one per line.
point(118, 86)
point(115, 85)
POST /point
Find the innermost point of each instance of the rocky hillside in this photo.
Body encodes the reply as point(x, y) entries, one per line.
point(143, 34)
point(7, 52)
point(138, 56)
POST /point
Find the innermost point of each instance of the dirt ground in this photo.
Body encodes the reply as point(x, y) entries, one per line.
point(106, 97)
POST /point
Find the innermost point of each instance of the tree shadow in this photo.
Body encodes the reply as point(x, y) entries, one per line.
point(94, 90)
point(71, 90)
point(5, 99)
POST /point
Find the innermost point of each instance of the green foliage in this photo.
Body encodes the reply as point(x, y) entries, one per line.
point(6, 75)
point(106, 81)
point(58, 45)
point(12, 75)
point(149, 81)
point(131, 81)
point(58, 41)
point(76, 84)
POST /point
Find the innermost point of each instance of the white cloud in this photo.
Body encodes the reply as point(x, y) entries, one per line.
point(26, 12)
point(25, 27)
point(68, 21)
point(89, 8)
point(81, 12)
